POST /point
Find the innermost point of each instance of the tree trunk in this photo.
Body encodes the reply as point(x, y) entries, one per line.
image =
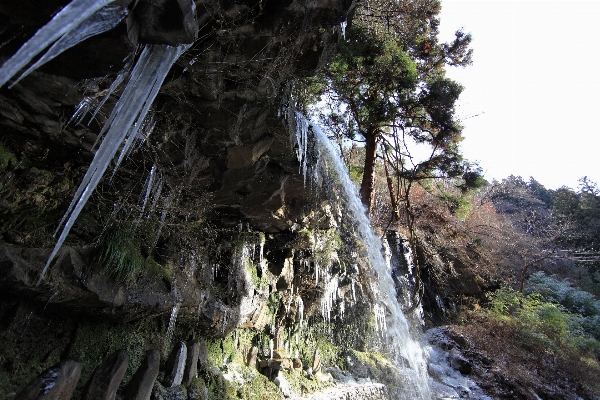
point(368, 180)
point(393, 197)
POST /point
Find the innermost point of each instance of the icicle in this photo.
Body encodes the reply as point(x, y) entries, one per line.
point(163, 217)
point(143, 86)
point(66, 20)
point(141, 136)
point(329, 298)
point(300, 307)
point(113, 87)
point(102, 21)
point(149, 183)
point(302, 141)
point(344, 24)
point(262, 247)
point(81, 111)
point(380, 323)
point(156, 194)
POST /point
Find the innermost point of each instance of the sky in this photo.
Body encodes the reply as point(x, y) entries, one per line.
point(531, 97)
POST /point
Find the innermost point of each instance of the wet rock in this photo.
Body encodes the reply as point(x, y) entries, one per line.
point(459, 362)
point(340, 375)
point(159, 392)
point(283, 385)
point(191, 364)
point(297, 365)
point(140, 386)
point(279, 353)
point(56, 383)
point(106, 378)
point(323, 376)
point(252, 355)
point(202, 354)
point(316, 364)
point(175, 366)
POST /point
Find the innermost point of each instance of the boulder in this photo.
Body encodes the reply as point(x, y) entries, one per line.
point(459, 362)
point(175, 366)
point(140, 386)
point(106, 378)
point(191, 364)
point(55, 383)
point(202, 354)
point(252, 355)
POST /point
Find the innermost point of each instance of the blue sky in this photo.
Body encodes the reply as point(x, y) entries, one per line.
point(531, 99)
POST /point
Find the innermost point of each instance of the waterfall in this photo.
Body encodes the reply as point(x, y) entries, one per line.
point(326, 159)
point(126, 119)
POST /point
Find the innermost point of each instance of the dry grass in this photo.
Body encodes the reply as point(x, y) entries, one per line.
point(514, 363)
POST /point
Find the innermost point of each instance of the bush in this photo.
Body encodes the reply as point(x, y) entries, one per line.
point(581, 303)
point(542, 319)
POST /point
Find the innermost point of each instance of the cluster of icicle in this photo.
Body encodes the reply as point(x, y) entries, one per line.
point(76, 22)
point(398, 333)
point(330, 297)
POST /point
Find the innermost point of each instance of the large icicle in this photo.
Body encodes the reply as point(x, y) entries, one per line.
point(144, 83)
point(102, 21)
point(67, 19)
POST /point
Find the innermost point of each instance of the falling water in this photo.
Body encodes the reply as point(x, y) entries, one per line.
point(398, 333)
point(173, 319)
point(171, 327)
point(126, 118)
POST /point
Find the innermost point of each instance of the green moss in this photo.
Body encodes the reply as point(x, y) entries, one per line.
point(211, 386)
point(273, 304)
point(29, 345)
point(215, 351)
point(303, 385)
point(7, 158)
point(378, 368)
point(94, 342)
point(257, 387)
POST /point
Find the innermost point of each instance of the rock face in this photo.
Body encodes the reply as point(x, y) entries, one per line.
point(225, 163)
point(217, 108)
point(224, 156)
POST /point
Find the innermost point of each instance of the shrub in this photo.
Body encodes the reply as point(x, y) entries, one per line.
point(542, 319)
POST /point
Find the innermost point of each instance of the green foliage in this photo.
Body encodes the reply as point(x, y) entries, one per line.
point(257, 387)
point(273, 304)
point(120, 252)
point(576, 301)
point(386, 86)
point(549, 323)
point(94, 342)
